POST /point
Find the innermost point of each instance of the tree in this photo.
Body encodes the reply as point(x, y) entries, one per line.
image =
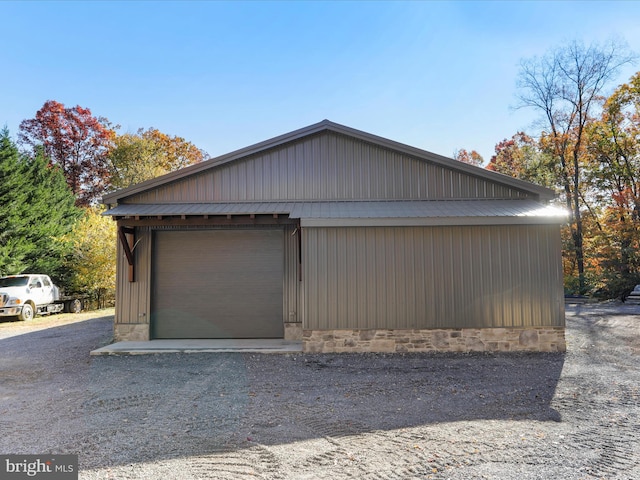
point(133, 160)
point(148, 154)
point(521, 157)
point(564, 86)
point(13, 187)
point(77, 142)
point(613, 172)
point(614, 149)
point(472, 158)
point(36, 211)
point(92, 262)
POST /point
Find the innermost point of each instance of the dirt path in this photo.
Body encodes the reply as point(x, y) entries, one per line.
point(226, 416)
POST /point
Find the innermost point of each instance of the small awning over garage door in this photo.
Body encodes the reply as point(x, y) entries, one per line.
point(217, 284)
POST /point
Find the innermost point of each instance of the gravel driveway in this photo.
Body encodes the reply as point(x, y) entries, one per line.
point(364, 416)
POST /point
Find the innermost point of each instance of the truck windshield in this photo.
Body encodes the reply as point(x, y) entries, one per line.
point(14, 281)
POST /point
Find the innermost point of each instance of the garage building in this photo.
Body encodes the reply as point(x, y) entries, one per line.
point(344, 241)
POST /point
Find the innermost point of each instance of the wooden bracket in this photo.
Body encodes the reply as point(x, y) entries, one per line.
point(127, 239)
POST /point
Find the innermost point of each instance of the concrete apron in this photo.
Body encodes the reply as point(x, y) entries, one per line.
point(201, 346)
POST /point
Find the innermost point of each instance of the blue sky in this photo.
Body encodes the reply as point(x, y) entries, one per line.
point(435, 75)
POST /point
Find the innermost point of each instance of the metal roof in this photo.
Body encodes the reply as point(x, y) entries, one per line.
point(368, 213)
point(326, 125)
point(168, 209)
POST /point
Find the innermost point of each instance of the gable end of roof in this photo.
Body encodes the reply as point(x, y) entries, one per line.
point(326, 125)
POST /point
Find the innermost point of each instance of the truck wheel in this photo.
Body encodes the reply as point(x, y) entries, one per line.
point(27, 312)
point(74, 306)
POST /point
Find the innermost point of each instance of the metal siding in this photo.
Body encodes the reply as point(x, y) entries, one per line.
point(122, 294)
point(291, 287)
point(327, 166)
point(432, 277)
point(132, 306)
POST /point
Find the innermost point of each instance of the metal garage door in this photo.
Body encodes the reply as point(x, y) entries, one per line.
point(217, 284)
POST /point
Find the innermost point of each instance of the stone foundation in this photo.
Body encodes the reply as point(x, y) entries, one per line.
point(535, 339)
point(137, 332)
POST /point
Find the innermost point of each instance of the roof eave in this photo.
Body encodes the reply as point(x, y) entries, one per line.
point(429, 221)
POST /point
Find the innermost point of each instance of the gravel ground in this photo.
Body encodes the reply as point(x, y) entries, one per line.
point(364, 416)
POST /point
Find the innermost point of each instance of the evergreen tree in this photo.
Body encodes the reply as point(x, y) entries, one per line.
point(13, 185)
point(36, 211)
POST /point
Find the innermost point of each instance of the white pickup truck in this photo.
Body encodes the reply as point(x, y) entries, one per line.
point(25, 296)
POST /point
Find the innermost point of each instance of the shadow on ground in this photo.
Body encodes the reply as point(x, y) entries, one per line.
point(117, 410)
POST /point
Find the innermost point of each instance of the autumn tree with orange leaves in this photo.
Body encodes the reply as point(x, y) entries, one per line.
point(472, 157)
point(521, 157)
point(148, 154)
point(564, 87)
point(602, 166)
point(613, 178)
